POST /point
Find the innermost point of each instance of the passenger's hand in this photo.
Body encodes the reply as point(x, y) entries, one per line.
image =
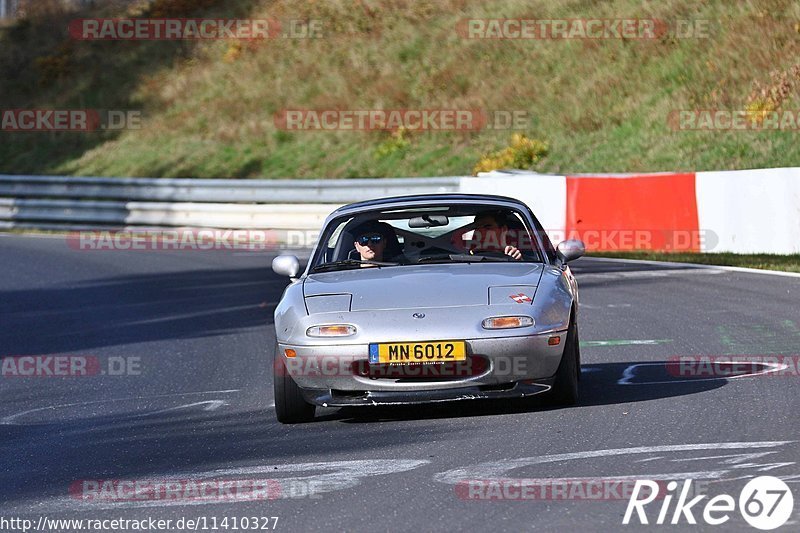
point(513, 252)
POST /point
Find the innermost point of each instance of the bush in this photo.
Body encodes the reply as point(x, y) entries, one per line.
point(523, 153)
point(769, 96)
point(397, 142)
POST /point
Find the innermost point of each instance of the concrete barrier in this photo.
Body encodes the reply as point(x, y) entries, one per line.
point(739, 211)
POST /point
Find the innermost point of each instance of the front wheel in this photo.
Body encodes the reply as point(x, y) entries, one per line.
point(565, 386)
point(290, 406)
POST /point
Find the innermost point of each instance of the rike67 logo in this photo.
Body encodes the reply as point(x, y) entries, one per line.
point(765, 502)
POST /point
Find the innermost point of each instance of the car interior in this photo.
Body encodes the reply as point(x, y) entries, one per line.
point(418, 233)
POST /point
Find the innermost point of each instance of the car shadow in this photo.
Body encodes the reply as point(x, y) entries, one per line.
point(601, 384)
point(164, 439)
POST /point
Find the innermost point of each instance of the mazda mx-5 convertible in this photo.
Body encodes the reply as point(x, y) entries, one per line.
point(428, 298)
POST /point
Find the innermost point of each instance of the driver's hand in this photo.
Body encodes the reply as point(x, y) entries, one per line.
point(513, 252)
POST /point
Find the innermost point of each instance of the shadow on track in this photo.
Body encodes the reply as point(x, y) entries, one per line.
point(130, 309)
point(43, 459)
point(598, 387)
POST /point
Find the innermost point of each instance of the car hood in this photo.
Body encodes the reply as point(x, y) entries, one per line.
point(414, 287)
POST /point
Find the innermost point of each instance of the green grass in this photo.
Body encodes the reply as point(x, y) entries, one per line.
point(601, 105)
point(786, 263)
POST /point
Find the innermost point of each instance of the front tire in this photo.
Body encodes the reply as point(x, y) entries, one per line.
point(565, 386)
point(290, 406)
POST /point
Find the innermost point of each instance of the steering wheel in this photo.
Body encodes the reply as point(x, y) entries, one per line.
point(490, 253)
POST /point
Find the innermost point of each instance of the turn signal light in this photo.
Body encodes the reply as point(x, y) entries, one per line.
point(333, 330)
point(288, 352)
point(554, 341)
point(507, 322)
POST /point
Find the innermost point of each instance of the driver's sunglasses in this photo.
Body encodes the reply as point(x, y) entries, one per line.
point(366, 239)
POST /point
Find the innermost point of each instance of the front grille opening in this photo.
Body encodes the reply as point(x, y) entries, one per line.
point(336, 393)
point(498, 387)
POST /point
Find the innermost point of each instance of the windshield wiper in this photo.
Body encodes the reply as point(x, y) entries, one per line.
point(348, 263)
point(461, 258)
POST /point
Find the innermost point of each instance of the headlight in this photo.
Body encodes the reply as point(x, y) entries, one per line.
point(507, 322)
point(333, 330)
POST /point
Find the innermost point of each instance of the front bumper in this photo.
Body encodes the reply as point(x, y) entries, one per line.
point(334, 398)
point(504, 367)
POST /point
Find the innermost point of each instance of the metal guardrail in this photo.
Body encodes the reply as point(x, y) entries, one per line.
point(50, 202)
point(73, 212)
point(342, 191)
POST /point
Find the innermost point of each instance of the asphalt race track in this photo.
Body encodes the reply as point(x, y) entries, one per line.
point(181, 343)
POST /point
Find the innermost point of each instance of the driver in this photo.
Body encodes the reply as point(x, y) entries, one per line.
point(491, 230)
point(371, 240)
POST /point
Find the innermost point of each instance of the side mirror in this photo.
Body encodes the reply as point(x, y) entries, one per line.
point(286, 265)
point(570, 250)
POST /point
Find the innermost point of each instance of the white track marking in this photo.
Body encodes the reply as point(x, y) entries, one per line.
point(645, 274)
point(499, 469)
point(210, 405)
point(606, 306)
point(730, 459)
point(196, 314)
point(10, 420)
point(698, 266)
point(760, 271)
point(623, 342)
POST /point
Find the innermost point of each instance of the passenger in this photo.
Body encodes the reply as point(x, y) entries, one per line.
point(491, 232)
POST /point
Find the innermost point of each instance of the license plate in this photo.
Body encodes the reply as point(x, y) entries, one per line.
point(399, 353)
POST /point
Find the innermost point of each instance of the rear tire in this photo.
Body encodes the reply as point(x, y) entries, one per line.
point(565, 386)
point(290, 406)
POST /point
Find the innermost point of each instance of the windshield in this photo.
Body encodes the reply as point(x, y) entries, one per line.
point(427, 235)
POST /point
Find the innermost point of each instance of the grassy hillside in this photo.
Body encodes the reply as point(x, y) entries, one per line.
point(600, 105)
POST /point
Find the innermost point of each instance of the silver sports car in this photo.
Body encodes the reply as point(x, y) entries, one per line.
point(425, 299)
